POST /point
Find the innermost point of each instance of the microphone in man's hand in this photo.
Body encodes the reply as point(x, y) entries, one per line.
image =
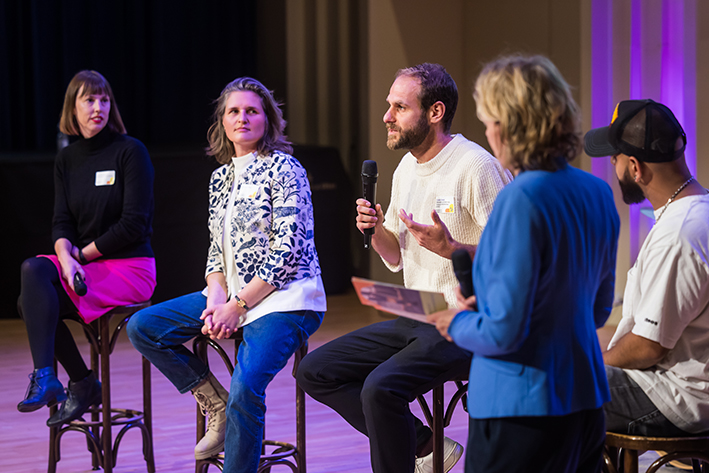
point(369, 190)
point(79, 285)
point(463, 269)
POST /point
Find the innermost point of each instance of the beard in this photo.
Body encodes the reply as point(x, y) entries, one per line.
point(632, 193)
point(410, 138)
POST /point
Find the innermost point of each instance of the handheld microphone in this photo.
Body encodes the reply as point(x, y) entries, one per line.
point(79, 285)
point(462, 267)
point(369, 190)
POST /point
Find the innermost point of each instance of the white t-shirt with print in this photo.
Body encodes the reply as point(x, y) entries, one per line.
point(667, 300)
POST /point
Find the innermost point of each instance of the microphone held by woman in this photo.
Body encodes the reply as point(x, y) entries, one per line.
point(79, 285)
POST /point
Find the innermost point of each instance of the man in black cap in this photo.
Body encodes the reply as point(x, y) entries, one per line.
point(658, 359)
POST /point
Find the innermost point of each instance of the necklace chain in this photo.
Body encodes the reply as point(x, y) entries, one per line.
point(669, 201)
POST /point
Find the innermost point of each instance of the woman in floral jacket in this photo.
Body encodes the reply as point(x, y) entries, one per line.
point(262, 276)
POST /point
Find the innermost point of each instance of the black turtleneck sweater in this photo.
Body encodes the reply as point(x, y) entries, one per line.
point(117, 216)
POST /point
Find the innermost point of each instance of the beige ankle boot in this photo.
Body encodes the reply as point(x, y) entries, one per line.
point(212, 399)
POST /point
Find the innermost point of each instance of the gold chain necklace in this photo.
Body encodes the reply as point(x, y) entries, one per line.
point(669, 201)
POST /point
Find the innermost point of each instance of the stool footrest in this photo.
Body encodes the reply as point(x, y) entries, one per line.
point(122, 416)
point(283, 450)
point(279, 456)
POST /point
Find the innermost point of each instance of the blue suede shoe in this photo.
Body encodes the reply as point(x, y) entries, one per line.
point(44, 390)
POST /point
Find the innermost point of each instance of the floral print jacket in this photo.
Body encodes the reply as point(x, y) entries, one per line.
point(272, 221)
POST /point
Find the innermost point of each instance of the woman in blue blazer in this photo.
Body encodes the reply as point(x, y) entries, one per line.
point(544, 273)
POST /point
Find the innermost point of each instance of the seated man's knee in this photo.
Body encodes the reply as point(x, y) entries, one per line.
point(306, 376)
point(376, 389)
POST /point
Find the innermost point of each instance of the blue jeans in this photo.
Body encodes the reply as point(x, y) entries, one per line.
point(158, 332)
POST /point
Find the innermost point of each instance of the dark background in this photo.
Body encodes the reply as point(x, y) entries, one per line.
point(166, 62)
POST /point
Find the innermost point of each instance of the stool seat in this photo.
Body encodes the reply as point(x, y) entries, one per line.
point(98, 430)
point(273, 452)
point(622, 452)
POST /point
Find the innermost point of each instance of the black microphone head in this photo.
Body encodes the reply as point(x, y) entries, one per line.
point(463, 269)
point(461, 260)
point(79, 285)
point(369, 170)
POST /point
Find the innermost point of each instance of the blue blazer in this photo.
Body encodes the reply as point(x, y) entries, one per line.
point(544, 275)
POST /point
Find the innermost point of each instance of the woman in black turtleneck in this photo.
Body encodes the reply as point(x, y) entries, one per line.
point(103, 212)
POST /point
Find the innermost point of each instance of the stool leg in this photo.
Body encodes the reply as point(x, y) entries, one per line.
point(148, 453)
point(438, 429)
point(630, 461)
point(300, 412)
point(96, 461)
point(106, 437)
point(52, 467)
point(200, 349)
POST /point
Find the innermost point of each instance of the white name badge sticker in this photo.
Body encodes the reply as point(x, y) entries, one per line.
point(105, 178)
point(445, 205)
point(248, 191)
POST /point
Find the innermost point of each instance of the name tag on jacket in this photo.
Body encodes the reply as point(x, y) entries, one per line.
point(248, 191)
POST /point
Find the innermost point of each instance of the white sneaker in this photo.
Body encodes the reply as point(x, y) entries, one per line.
point(452, 451)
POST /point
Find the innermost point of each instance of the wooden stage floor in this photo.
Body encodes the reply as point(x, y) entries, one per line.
point(332, 445)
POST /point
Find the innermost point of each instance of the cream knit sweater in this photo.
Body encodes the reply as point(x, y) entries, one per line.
point(463, 174)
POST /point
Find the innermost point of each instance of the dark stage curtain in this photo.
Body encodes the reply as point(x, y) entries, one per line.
point(166, 62)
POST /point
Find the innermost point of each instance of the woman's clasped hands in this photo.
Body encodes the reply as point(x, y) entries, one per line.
point(222, 320)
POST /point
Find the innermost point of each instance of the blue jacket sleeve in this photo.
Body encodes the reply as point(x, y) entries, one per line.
point(506, 272)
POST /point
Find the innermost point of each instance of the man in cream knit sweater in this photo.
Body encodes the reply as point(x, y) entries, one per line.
point(442, 193)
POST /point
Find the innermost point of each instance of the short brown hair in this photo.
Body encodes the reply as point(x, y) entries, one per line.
point(436, 86)
point(539, 119)
point(93, 83)
point(273, 138)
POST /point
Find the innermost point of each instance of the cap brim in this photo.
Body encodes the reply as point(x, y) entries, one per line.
point(596, 143)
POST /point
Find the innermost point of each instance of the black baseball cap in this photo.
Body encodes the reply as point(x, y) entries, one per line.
point(644, 129)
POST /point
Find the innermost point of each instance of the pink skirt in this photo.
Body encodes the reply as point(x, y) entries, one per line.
point(111, 283)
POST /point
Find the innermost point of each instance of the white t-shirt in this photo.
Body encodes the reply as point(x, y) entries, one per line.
point(667, 300)
point(302, 294)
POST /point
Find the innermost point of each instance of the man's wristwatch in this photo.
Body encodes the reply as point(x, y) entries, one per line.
point(240, 302)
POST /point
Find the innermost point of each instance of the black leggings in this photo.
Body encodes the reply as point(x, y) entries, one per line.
point(43, 304)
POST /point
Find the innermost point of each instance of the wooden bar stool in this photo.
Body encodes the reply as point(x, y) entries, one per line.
point(622, 452)
point(437, 419)
point(99, 439)
point(273, 452)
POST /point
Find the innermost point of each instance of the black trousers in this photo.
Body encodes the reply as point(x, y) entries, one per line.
point(370, 376)
point(560, 444)
point(42, 304)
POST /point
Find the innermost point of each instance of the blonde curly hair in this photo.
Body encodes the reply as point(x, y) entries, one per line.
point(539, 119)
